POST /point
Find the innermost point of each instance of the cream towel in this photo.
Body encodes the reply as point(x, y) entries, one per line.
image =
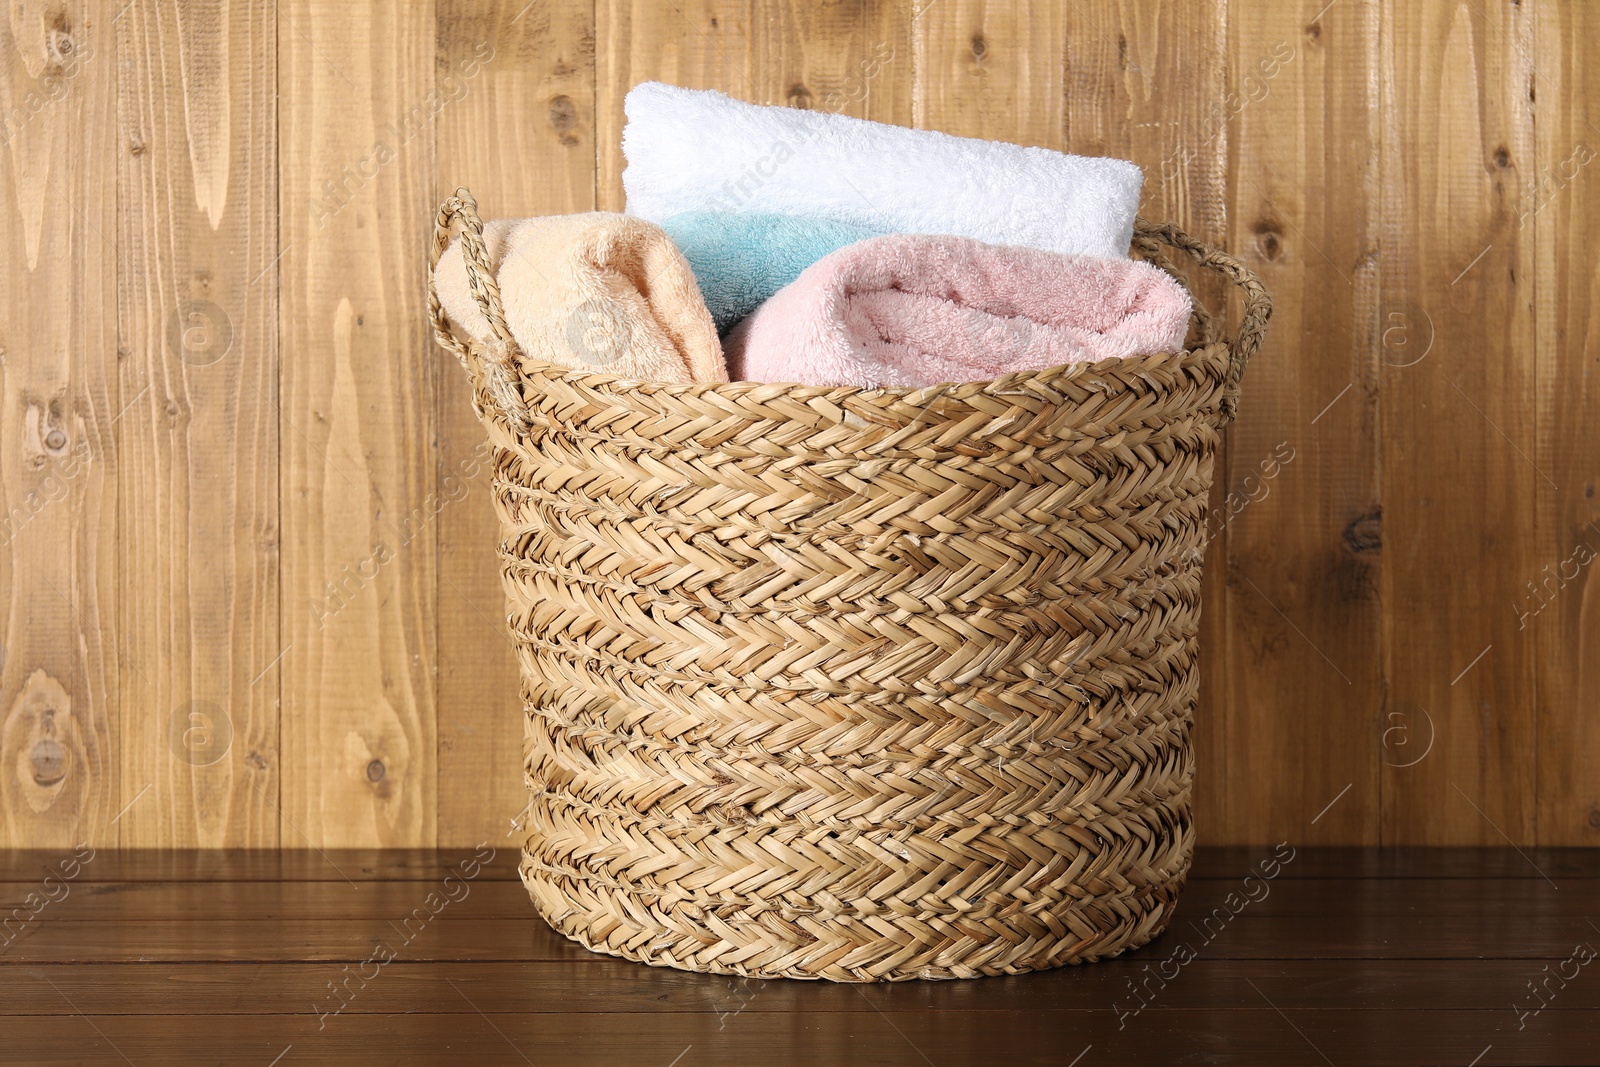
point(599, 292)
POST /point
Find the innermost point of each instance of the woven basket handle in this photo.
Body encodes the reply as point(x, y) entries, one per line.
point(1148, 239)
point(495, 367)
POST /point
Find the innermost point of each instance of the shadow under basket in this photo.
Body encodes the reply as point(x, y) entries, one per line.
point(857, 684)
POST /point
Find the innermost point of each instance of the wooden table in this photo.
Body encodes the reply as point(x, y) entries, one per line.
point(1346, 956)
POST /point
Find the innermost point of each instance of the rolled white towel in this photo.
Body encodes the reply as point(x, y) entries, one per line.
point(700, 150)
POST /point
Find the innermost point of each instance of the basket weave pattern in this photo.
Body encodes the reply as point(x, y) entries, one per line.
point(857, 684)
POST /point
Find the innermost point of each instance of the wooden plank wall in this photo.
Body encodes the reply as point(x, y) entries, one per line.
point(197, 436)
point(247, 587)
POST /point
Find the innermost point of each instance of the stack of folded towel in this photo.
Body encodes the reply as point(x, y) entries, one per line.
point(827, 250)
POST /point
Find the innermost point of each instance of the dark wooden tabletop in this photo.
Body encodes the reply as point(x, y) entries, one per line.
point(1468, 957)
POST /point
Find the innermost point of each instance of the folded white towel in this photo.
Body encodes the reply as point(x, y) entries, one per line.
point(695, 150)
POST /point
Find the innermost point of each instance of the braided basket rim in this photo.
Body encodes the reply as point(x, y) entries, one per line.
point(625, 389)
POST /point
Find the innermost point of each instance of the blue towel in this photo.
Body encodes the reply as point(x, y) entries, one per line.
point(740, 260)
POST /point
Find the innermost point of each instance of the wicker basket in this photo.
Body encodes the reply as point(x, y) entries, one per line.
point(863, 685)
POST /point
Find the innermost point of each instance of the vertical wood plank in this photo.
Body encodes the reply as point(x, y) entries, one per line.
point(838, 56)
point(1457, 424)
point(61, 667)
point(198, 438)
point(1557, 602)
point(1142, 80)
point(518, 132)
point(357, 423)
point(991, 69)
point(698, 44)
point(1304, 674)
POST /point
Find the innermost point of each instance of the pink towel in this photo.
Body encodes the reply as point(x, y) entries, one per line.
point(914, 310)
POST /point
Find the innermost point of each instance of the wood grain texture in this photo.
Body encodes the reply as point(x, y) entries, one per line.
point(1405, 956)
point(1302, 512)
point(519, 133)
point(1457, 425)
point(1415, 580)
point(839, 56)
point(64, 663)
point(358, 422)
point(1399, 956)
point(991, 69)
point(1383, 1038)
point(198, 435)
point(1558, 602)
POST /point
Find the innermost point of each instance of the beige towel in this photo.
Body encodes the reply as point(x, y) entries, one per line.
point(599, 292)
